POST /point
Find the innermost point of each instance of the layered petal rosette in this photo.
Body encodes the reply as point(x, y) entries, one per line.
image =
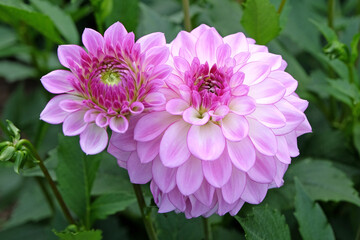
point(115, 79)
point(228, 130)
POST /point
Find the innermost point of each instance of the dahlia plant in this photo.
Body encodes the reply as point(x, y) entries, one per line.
point(227, 131)
point(115, 79)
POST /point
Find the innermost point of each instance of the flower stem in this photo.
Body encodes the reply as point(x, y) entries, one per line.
point(46, 193)
point(207, 229)
point(145, 216)
point(331, 13)
point(46, 173)
point(281, 7)
point(187, 20)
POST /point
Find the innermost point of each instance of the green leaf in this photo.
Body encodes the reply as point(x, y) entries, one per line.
point(261, 20)
point(264, 223)
point(84, 235)
point(125, 11)
point(312, 221)
point(322, 181)
point(111, 203)
point(15, 71)
point(61, 20)
point(32, 206)
point(356, 136)
point(7, 37)
point(28, 231)
point(75, 174)
point(172, 226)
point(343, 91)
point(326, 31)
point(354, 48)
point(13, 12)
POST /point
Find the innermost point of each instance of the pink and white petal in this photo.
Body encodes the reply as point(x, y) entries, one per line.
point(119, 124)
point(69, 54)
point(283, 154)
point(152, 125)
point(254, 192)
point(205, 193)
point(165, 204)
point(72, 104)
point(223, 52)
point(192, 116)
point(291, 140)
point(255, 72)
point(262, 137)
point(136, 108)
point(206, 142)
point(189, 176)
point(237, 42)
point(268, 91)
point(114, 34)
point(237, 79)
point(157, 55)
point(233, 189)
point(93, 41)
point(74, 123)
point(177, 199)
point(293, 116)
point(254, 48)
point(125, 141)
point(173, 147)
point(237, 208)
point(207, 44)
point(240, 60)
point(163, 176)
point(223, 206)
point(176, 106)
point(102, 120)
point(303, 128)
point(151, 40)
point(218, 172)
point(297, 102)
point(91, 115)
point(242, 105)
point(155, 99)
point(280, 171)
point(196, 208)
point(119, 154)
point(264, 169)
point(93, 139)
point(147, 151)
point(181, 64)
point(240, 90)
point(58, 81)
point(219, 113)
point(269, 115)
point(183, 40)
point(286, 79)
point(273, 60)
point(139, 173)
point(234, 127)
point(242, 154)
point(52, 113)
point(196, 32)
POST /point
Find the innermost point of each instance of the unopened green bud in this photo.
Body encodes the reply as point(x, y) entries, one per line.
point(20, 160)
point(7, 153)
point(13, 130)
point(4, 144)
point(337, 50)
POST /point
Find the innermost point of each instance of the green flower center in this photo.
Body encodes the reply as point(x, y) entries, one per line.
point(110, 78)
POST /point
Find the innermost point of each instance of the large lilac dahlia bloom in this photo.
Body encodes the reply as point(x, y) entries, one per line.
point(114, 80)
point(227, 132)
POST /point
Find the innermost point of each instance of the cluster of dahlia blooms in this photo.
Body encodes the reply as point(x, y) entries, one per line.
point(210, 122)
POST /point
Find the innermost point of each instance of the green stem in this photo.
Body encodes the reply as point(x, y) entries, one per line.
point(281, 7)
point(46, 173)
point(187, 20)
point(146, 217)
point(207, 229)
point(331, 13)
point(46, 193)
point(351, 72)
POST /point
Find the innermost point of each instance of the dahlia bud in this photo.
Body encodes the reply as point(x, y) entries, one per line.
point(7, 153)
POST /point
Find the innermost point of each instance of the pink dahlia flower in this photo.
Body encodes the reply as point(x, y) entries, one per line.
point(227, 132)
point(114, 80)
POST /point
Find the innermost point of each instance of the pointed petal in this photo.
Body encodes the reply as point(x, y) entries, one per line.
point(58, 81)
point(72, 104)
point(234, 127)
point(269, 115)
point(242, 154)
point(70, 53)
point(206, 142)
point(264, 169)
point(273, 60)
point(218, 172)
point(233, 189)
point(207, 45)
point(114, 34)
point(199, 30)
point(147, 151)
point(139, 173)
point(52, 113)
point(254, 192)
point(74, 124)
point(157, 55)
point(93, 139)
point(237, 42)
point(237, 208)
point(125, 141)
point(181, 64)
point(152, 125)
point(286, 79)
point(92, 40)
point(262, 137)
point(163, 176)
point(119, 124)
point(293, 116)
point(242, 105)
point(120, 155)
point(255, 72)
point(268, 91)
point(151, 40)
point(173, 147)
point(165, 204)
point(177, 199)
point(176, 106)
point(155, 99)
point(183, 40)
point(205, 193)
point(283, 151)
point(222, 54)
point(189, 176)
